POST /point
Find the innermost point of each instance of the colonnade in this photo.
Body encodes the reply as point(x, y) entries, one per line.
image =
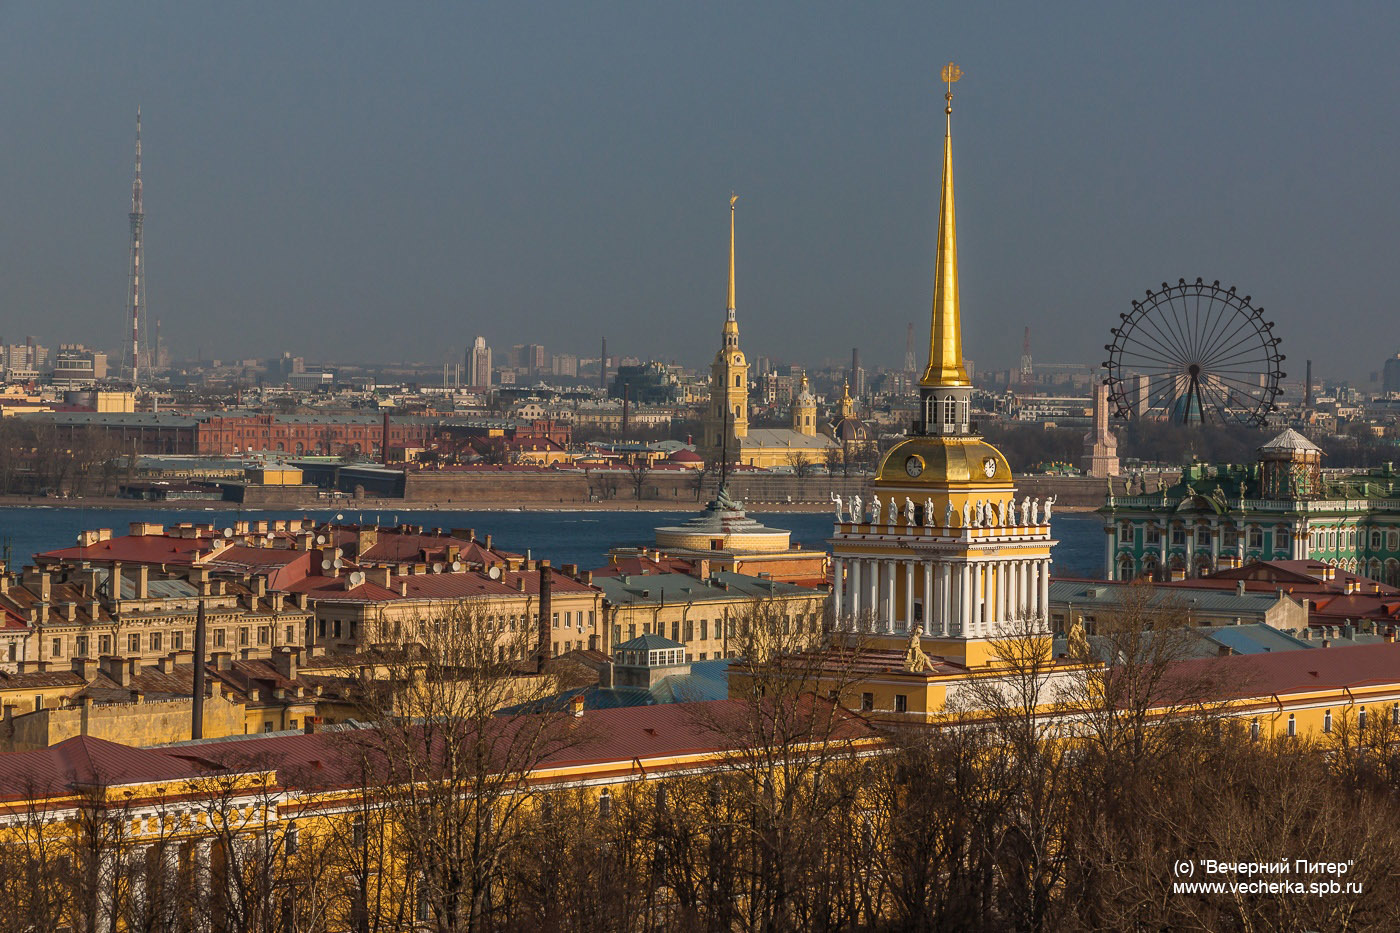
point(136, 870)
point(962, 596)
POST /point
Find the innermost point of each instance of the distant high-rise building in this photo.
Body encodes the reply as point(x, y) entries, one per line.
point(564, 364)
point(1390, 375)
point(136, 286)
point(603, 365)
point(479, 364)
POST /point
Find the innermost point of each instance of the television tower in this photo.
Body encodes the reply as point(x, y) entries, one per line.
point(136, 290)
point(909, 349)
point(1027, 373)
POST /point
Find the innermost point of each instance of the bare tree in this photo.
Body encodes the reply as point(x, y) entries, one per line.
point(637, 472)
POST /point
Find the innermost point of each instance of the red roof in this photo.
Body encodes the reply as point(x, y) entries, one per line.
point(1261, 675)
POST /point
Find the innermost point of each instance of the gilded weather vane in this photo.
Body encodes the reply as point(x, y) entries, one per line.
point(951, 74)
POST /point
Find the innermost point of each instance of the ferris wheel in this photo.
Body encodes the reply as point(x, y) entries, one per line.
point(1193, 354)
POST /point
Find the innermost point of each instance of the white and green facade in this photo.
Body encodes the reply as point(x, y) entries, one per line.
point(1281, 508)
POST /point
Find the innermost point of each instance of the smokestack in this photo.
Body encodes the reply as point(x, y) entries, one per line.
point(384, 442)
point(546, 609)
point(1307, 389)
point(855, 372)
point(603, 365)
point(200, 634)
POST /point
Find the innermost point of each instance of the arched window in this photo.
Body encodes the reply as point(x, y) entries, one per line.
point(1292, 725)
point(1327, 721)
point(962, 409)
point(1361, 718)
point(1254, 728)
point(738, 381)
point(950, 410)
point(1375, 539)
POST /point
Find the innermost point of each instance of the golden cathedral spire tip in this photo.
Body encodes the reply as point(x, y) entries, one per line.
point(733, 199)
point(945, 359)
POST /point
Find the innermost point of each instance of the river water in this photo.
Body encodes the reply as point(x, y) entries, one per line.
point(564, 537)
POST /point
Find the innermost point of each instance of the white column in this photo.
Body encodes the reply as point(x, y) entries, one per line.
point(1045, 588)
point(944, 586)
point(889, 595)
point(105, 897)
point(856, 591)
point(1033, 588)
point(838, 591)
point(199, 854)
point(929, 602)
point(908, 620)
point(136, 868)
point(873, 591)
point(1110, 537)
point(965, 600)
point(1003, 590)
point(1027, 598)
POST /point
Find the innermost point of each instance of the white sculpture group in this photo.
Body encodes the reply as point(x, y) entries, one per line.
point(979, 514)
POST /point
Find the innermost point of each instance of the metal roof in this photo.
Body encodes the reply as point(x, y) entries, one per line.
point(1113, 595)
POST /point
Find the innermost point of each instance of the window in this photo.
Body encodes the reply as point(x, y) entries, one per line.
point(676, 630)
point(323, 628)
point(155, 641)
point(179, 640)
point(704, 629)
point(1256, 537)
point(58, 647)
point(1395, 715)
point(262, 634)
point(38, 702)
point(358, 830)
point(14, 652)
point(605, 804)
point(950, 410)
point(291, 634)
point(1327, 721)
point(243, 635)
point(104, 644)
point(556, 620)
point(1203, 537)
point(1292, 725)
point(901, 703)
point(867, 702)
point(1154, 534)
point(1361, 718)
point(219, 638)
point(134, 643)
point(267, 725)
point(1254, 728)
point(81, 646)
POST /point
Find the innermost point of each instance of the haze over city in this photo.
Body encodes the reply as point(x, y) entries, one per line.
point(363, 182)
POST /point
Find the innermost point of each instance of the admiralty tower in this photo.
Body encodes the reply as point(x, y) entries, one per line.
point(942, 542)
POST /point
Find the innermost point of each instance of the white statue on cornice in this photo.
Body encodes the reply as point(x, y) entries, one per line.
point(908, 510)
point(836, 497)
point(874, 510)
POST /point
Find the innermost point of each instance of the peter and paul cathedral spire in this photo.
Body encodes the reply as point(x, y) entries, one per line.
point(727, 418)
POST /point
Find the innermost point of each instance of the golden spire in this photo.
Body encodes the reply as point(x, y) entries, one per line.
point(730, 306)
point(945, 359)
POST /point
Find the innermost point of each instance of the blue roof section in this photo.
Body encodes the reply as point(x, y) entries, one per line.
point(682, 588)
point(1252, 639)
point(648, 642)
point(707, 680)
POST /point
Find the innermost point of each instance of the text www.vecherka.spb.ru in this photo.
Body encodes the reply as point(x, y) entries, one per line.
point(1317, 878)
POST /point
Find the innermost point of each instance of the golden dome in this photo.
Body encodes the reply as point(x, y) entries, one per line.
point(942, 462)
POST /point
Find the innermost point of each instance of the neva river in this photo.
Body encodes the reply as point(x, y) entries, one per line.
point(581, 538)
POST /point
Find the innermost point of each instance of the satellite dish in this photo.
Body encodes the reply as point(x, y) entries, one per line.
point(228, 532)
point(325, 565)
point(270, 536)
point(494, 573)
point(437, 568)
point(337, 563)
point(456, 566)
point(320, 539)
point(339, 516)
point(357, 578)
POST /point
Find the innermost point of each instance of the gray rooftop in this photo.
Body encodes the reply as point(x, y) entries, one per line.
point(654, 588)
point(1113, 595)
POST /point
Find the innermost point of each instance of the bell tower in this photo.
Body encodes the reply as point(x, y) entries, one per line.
point(727, 416)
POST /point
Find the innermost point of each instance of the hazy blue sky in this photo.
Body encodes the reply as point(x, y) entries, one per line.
point(386, 181)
